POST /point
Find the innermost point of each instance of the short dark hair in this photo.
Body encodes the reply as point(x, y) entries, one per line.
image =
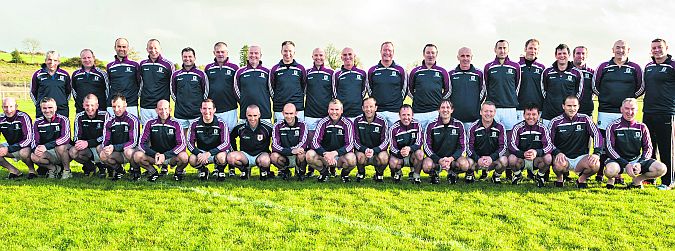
point(287, 42)
point(501, 41)
point(531, 106)
point(47, 99)
point(445, 100)
point(208, 100)
point(659, 40)
point(188, 49)
point(561, 47)
point(387, 42)
point(429, 45)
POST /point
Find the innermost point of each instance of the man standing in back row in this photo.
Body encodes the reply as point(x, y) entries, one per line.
point(220, 74)
point(287, 79)
point(502, 79)
point(252, 86)
point(615, 80)
point(427, 85)
point(385, 81)
point(531, 90)
point(349, 84)
point(156, 77)
point(123, 78)
point(659, 107)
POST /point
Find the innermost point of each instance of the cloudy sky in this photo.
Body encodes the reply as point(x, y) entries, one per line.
point(69, 26)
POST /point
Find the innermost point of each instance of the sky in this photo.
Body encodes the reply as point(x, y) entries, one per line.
point(70, 26)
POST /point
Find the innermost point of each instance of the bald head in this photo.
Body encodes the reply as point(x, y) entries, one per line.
point(8, 100)
point(163, 103)
point(348, 57)
point(318, 56)
point(464, 56)
point(9, 106)
point(620, 50)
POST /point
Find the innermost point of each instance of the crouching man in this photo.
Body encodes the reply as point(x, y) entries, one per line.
point(209, 142)
point(162, 143)
point(52, 141)
point(332, 144)
point(289, 140)
point(444, 145)
point(630, 149)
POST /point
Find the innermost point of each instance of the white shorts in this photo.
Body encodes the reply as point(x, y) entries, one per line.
point(130, 109)
point(311, 123)
point(389, 117)
point(574, 162)
point(55, 157)
point(184, 123)
point(467, 127)
point(507, 116)
point(229, 118)
point(251, 159)
point(147, 115)
point(292, 161)
point(279, 116)
point(15, 155)
point(547, 123)
point(94, 155)
point(425, 118)
point(605, 118)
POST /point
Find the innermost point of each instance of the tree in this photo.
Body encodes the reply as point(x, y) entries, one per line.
point(243, 55)
point(357, 62)
point(16, 57)
point(413, 65)
point(133, 54)
point(332, 56)
point(32, 46)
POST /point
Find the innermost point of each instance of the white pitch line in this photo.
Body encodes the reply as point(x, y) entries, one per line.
point(333, 218)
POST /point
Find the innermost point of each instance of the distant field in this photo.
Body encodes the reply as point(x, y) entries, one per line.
point(37, 59)
point(20, 73)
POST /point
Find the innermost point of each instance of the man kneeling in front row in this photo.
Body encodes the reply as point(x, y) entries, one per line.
point(254, 137)
point(624, 140)
point(209, 142)
point(444, 145)
point(289, 140)
point(570, 133)
point(333, 144)
point(162, 143)
point(530, 146)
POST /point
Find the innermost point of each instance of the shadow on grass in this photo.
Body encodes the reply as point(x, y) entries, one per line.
point(79, 181)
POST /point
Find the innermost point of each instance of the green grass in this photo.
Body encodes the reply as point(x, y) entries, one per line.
point(37, 59)
point(21, 73)
point(95, 214)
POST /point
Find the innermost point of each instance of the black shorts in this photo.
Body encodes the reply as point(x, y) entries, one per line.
point(644, 165)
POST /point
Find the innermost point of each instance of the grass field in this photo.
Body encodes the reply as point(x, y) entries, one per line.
point(95, 214)
point(20, 73)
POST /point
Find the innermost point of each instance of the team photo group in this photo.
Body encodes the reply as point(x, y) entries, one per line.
point(500, 122)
